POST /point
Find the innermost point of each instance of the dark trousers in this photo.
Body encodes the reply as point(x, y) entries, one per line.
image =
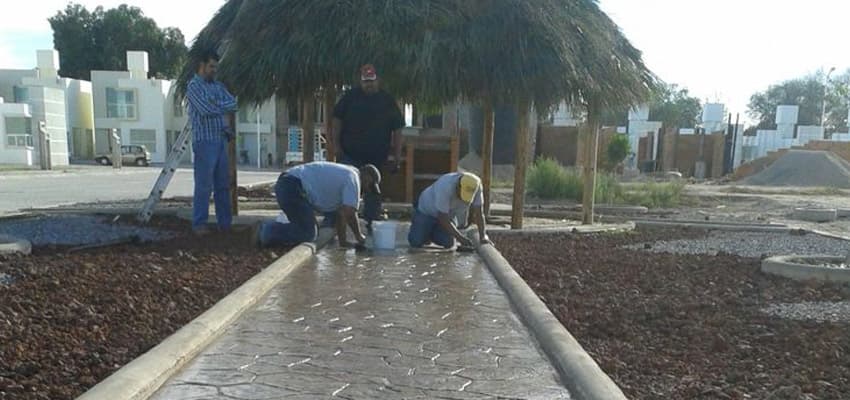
point(302, 220)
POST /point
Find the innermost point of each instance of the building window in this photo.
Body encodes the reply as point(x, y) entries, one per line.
point(120, 103)
point(19, 132)
point(144, 137)
point(21, 94)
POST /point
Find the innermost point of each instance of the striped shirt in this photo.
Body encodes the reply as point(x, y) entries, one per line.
point(208, 102)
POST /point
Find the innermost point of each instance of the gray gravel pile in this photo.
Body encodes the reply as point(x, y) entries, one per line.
point(805, 168)
point(813, 311)
point(750, 244)
point(74, 230)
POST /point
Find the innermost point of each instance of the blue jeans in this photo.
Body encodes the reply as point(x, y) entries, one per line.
point(211, 176)
point(302, 220)
point(426, 229)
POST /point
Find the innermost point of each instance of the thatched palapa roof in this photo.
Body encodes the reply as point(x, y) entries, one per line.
point(503, 51)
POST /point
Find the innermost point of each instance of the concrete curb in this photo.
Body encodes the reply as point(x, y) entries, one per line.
point(256, 184)
point(13, 245)
point(577, 229)
point(785, 266)
point(716, 226)
point(581, 375)
point(143, 376)
point(815, 214)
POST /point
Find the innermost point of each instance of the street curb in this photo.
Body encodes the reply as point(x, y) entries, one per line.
point(717, 226)
point(784, 267)
point(579, 372)
point(576, 229)
point(256, 184)
point(144, 375)
point(14, 245)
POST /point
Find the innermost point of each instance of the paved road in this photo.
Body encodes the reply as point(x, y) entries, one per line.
point(400, 326)
point(83, 184)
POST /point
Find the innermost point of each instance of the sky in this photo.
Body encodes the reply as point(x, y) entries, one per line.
point(721, 50)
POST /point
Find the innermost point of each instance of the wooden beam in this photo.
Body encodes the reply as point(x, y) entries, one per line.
point(408, 172)
point(520, 165)
point(231, 156)
point(591, 143)
point(308, 138)
point(487, 156)
point(330, 102)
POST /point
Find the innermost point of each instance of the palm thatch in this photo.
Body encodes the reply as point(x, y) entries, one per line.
point(504, 51)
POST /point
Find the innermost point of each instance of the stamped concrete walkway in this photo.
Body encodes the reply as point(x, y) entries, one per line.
point(379, 326)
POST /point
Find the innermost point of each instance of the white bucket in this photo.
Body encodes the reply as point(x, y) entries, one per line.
point(384, 233)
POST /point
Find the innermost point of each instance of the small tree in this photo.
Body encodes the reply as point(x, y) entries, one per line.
point(618, 149)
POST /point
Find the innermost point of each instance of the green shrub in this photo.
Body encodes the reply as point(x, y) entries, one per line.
point(656, 194)
point(617, 150)
point(547, 179)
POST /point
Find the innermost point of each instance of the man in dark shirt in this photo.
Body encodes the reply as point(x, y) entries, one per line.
point(367, 125)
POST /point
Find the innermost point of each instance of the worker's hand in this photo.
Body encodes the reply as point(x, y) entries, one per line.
point(465, 242)
point(485, 240)
point(361, 239)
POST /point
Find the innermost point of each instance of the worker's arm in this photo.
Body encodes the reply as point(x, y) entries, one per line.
point(448, 226)
point(348, 216)
point(206, 105)
point(478, 215)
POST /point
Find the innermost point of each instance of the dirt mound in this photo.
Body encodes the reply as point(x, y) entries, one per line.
point(805, 168)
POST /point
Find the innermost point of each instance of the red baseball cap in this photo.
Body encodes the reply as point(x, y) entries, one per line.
point(368, 73)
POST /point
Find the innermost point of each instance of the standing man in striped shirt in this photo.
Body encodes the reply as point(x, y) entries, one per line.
point(211, 110)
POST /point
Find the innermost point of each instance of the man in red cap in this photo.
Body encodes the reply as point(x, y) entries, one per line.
point(367, 126)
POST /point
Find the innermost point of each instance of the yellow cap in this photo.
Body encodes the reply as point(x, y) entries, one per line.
point(469, 185)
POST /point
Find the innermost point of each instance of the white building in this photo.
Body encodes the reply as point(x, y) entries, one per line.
point(145, 113)
point(141, 109)
point(63, 104)
point(16, 129)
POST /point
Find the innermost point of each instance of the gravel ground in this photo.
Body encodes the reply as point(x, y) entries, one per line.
point(73, 230)
point(72, 319)
point(815, 311)
point(749, 244)
point(671, 326)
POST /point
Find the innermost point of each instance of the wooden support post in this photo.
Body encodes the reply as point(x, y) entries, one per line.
point(487, 156)
point(454, 152)
point(330, 102)
point(520, 165)
point(231, 156)
point(308, 123)
point(409, 162)
point(591, 149)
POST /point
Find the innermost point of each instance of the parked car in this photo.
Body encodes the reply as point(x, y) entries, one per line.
point(130, 155)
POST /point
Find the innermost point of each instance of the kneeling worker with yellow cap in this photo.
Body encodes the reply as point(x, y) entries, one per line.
point(441, 206)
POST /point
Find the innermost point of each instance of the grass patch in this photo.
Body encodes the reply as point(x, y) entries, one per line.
point(548, 180)
point(502, 184)
point(655, 194)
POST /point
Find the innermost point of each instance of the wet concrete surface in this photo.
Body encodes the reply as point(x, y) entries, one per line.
point(395, 325)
